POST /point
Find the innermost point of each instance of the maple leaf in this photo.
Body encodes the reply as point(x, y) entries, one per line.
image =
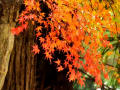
point(68, 57)
point(20, 29)
point(98, 80)
point(48, 55)
point(14, 31)
point(57, 62)
point(26, 17)
point(21, 20)
point(37, 6)
point(25, 25)
point(17, 30)
point(72, 75)
point(81, 82)
point(38, 28)
point(106, 76)
point(66, 63)
point(35, 49)
point(41, 39)
point(60, 68)
point(31, 16)
point(118, 80)
point(78, 75)
point(38, 34)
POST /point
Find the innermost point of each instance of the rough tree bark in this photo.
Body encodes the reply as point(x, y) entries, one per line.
point(8, 13)
point(19, 62)
point(21, 73)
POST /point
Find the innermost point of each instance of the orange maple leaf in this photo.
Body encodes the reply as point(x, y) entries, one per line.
point(48, 55)
point(41, 39)
point(72, 75)
point(118, 80)
point(60, 68)
point(38, 28)
point(81, 81)
point(66, 63)
point(35, 49)
point(57, 62)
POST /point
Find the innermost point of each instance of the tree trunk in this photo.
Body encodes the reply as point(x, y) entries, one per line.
point(19, 64)
point(8, 13)
point(21, 73)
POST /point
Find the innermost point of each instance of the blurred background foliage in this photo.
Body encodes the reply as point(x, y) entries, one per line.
point(110, 56)
point(111, 60)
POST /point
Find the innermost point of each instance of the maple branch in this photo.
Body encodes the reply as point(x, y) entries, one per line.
point(108, 88)
point(109, 65)
point(93, 79)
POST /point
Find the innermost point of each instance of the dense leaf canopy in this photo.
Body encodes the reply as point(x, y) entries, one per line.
point(81, 29)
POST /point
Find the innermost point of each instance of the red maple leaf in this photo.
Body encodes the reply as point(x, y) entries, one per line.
point(17, 30)
point(21, 20)
point(106, 76)
point(14, 31)
point(38, 34)
point(25, 25)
